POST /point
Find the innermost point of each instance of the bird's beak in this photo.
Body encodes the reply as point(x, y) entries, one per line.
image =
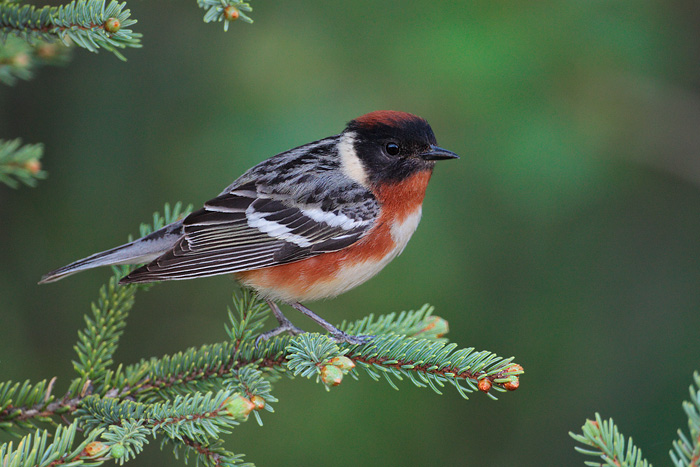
point(436, 153)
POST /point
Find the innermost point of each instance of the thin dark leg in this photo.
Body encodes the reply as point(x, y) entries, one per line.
point(285, 325)
point(336, 334)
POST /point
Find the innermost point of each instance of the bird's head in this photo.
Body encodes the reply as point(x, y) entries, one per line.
point(388, 146)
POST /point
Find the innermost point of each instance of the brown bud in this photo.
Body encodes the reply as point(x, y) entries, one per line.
point(484, 385)
point(258, 402)
point(515, 367)
point(512, 385)
point(94, 448)
point(231, 13)
point(33, 166)
point(436, 326)
point(21, 60)
point(331, 375)
point(343, 362)
point(239, 407)
point(46, 50)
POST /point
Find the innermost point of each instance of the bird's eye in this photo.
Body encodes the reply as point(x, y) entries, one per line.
point(392, 149)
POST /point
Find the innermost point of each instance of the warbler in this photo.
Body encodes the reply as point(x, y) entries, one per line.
point(307, 224)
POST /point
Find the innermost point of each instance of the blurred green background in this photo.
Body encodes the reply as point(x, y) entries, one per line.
point(567, 235)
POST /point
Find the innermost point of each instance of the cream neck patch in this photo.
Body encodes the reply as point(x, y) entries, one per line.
point(351, 165)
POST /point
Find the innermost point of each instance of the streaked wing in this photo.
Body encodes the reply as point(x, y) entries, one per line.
point(250, 226)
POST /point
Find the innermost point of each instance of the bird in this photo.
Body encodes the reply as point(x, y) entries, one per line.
point(307, 224)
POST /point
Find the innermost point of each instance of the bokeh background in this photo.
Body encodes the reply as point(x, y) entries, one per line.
point(567, 235)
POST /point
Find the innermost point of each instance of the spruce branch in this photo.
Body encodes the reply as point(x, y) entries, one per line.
point(603, 439)
point(125, 439)
point(189, 399)
point(686, 449)
point(98, 342)
point(419, 323)
point(225, 10)
point(34, 451)
point(23, 404)
point(20, 163)
point(19, 59)
point(194, 421)
point(201, 417)
point(253, 385)
point(90, 24)
point(212, 455)
point(424, 362)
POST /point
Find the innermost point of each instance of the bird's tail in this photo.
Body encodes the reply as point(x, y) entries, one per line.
point(143, 250)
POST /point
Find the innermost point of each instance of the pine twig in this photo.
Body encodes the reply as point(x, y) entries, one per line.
point(20, 163)
point(603, 440)
point(686, 449)
point(89, 24)
point(190, 399)
point(226, 11)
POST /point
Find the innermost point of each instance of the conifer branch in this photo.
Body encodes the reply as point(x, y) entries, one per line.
point(89, 24)
point(213, 455)
point(602, 439)
point(20, 163)
point(33, 450)
point(126, 439)
point(225, 10)
point(19, 59)
point(608, 444)
point(98, 342)
point(686, 449)
point(191, 398)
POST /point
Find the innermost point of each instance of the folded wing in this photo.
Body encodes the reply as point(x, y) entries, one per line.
point(251, 227)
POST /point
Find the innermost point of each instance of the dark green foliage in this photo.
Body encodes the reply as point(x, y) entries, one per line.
point(686, 450)
point(90, 24)
point(189, 399)
point(82, 22)
point(32, 397)
point(602, 439)
point(98, 342)
point(128, 437)
point(44, 449)
point(20, 163)
point(19, 59)
point(225, 10)
point(431, 364)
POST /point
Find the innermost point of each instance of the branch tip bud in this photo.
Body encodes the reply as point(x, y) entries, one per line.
point(512, 385)
point(112, 25)
point(94, 448)
point(231, 13)
point(331, 375)
point(33, 166)
point(343, 363)
point(258, 402)
point(484, 385)
point(239, 407)
point(436, 326)
point(117, 451)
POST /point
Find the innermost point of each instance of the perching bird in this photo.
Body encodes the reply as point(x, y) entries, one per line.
point(307, 224)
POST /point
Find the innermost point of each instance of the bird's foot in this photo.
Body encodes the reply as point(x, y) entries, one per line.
point(344, 338)
point(285, 327)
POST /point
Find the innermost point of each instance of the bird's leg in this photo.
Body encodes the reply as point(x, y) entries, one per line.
point(336, 334)
point(285, 325)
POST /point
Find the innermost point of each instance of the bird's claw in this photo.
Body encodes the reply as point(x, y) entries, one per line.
point(288, 327)
point(344, 338)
